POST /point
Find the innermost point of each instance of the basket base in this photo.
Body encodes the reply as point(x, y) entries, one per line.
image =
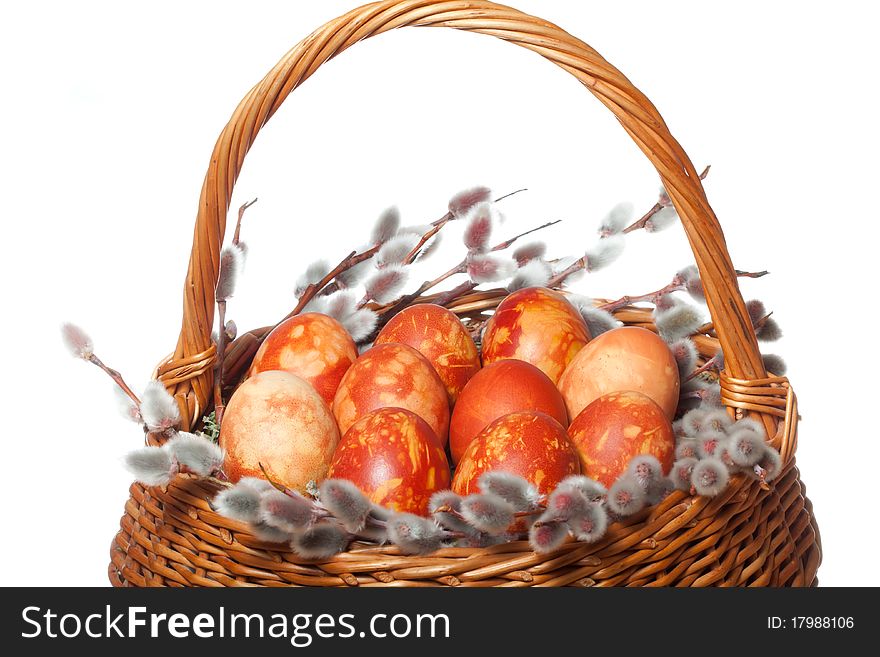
point(747, 536)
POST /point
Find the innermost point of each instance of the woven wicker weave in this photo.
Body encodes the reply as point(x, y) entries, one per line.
point(749, 535)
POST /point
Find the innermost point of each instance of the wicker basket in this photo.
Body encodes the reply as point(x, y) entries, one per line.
point(750, 535)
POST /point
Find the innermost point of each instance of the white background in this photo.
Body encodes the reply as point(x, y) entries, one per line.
point(110, 112)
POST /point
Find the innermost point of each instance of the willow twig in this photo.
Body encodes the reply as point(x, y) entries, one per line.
point(237, 235)
point(659, 205)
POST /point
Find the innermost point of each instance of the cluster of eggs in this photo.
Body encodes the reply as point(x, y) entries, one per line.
point(544, 400)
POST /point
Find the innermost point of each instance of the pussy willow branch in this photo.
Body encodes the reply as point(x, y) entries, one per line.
point(219, 406)
point(460, 268)
point(676, 285)
point(236, 236)
point(222, 337)
point(117, 379)
point(659, 205)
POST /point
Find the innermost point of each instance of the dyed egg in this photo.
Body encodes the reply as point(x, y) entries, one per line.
point(393, 456)
point(439, 335)
point(532, 445)
point(626, 358)
point(313, 346)
point(536, 325)
point(616, 427)
point(392, 375)
point(498, 389)
point(277, 419)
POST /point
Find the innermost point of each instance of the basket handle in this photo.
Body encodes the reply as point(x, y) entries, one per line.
point(188, 374)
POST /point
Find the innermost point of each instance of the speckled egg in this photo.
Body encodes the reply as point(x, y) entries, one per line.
point(617, 427)
point(539, 326)
point(626, 358)
point(313, 346)
point(277, 419)
point(393, 456)
point(498, 389)
point(439, 335)
point(532, 445)
point(392, 376)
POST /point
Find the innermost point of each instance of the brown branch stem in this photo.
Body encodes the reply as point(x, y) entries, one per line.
point(218, 370)
point(237, 235)
point(117, 379)
point(659, 205)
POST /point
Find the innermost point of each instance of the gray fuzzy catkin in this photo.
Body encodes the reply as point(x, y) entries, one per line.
point(522, 494)
point(591, 525)
point(479, 228)
point(158, 407)
point(566, 503)
point(462, 202)
point(487, 513)
point(528, 252)
point(680, 321)
point(313, 274)
point(414, 534)
point(346, 502)
point(709, 477)
point(485, 268)
point(618, 218)
point(661, 220)
point(626, 496)
point(241, 502)
point(289, 513)
point(546, 536)
point(231, 259)
point(644, 469)
point(386, 285)
point(77, 341)
point(386, 225)
point(197, 453)
point(604, 253)
point(361, 324)
point(681, 472)
point(590, 488)
point(535, 273)
point(745, 447)
point(774, 364)
point(717, 420)
point(599, 321)
point(151, 466)
point(321, 541)
point(685, 353)
point(769, 331)
point(395, 250)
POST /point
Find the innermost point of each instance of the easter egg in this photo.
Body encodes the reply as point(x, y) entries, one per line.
point(313, 346)
point(626, 358)
point(439, 335)
point(498, 389)
point(277, 419)
point(530, 444)
point(614, 428)
point(393, 375)
point(393, 456)
point(537, 325)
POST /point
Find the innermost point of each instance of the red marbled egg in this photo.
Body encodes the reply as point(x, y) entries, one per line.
point(498, 389)
point(626, 358)
point(392, 375)
point(536, 325)
point(313, 346)
point(532, 445)
point(617, 427)
point(393, 456)
point(277, 419)
point(439, 335)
